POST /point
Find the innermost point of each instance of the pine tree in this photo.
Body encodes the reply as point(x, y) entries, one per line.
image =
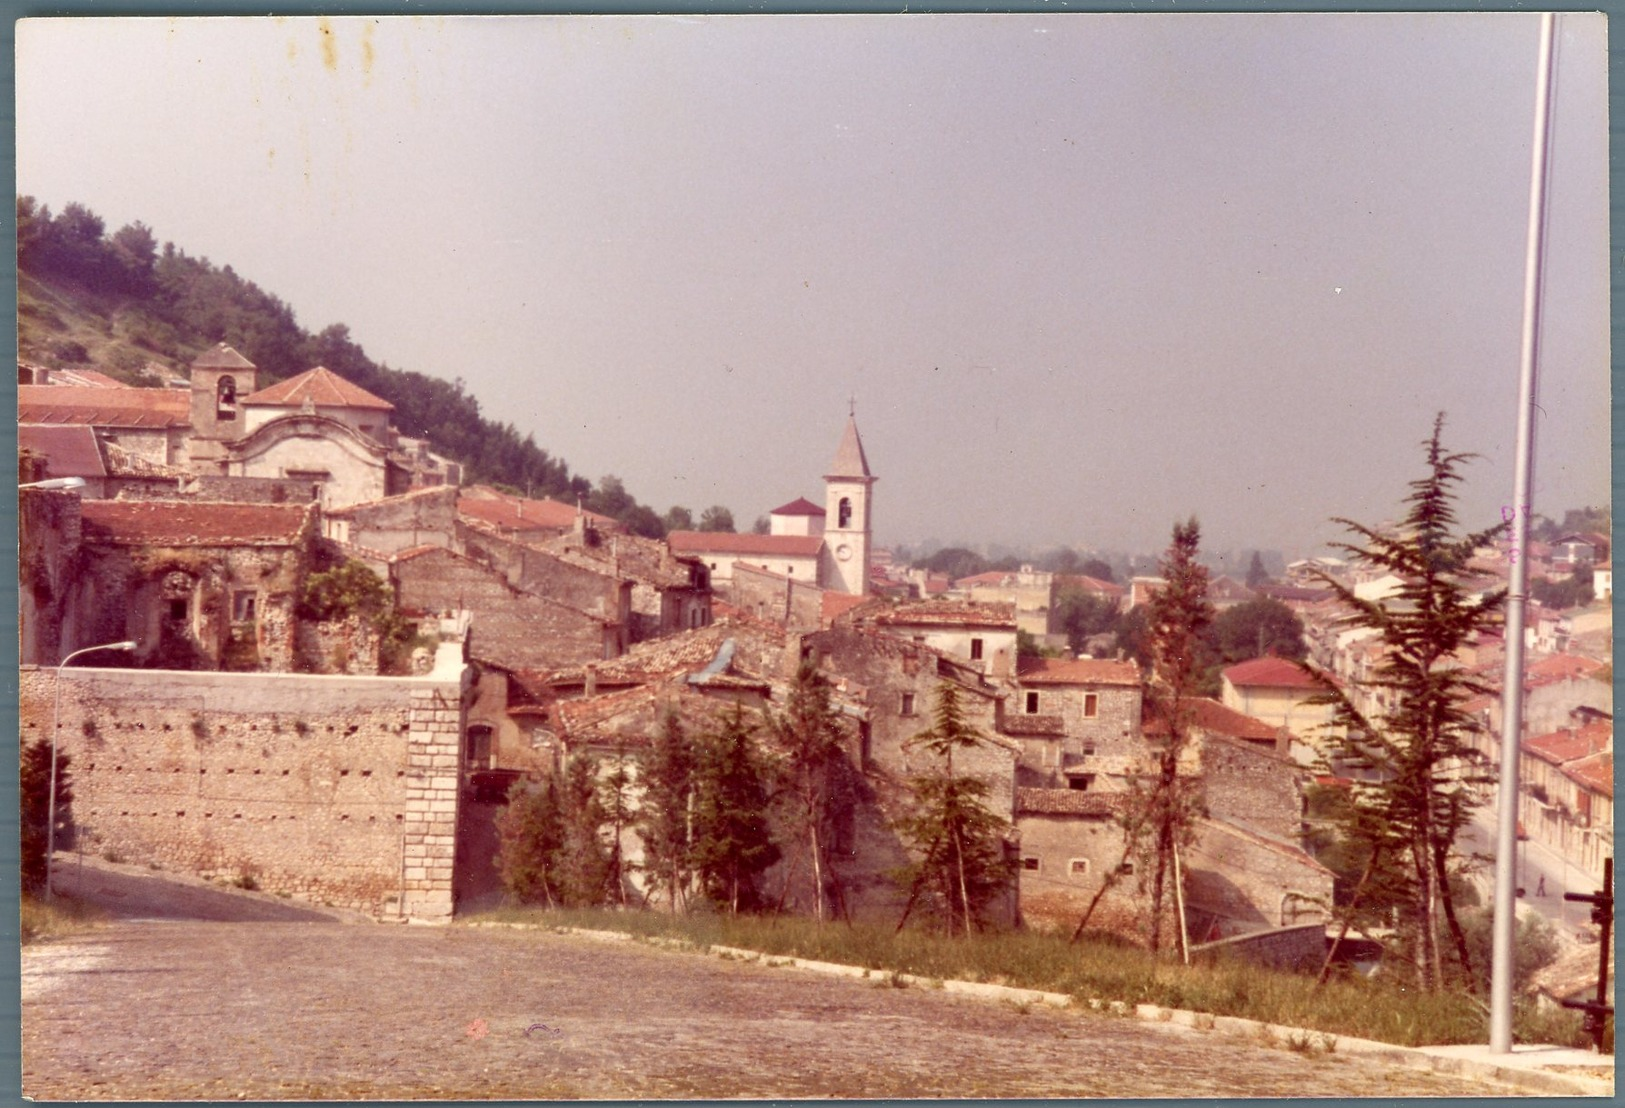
point(962, 865)
point(733, 844)
point(666, 813)
point(615, 801)
point(808, 739)
point(1169, 805)
point(35, 788)
point(1422, 772)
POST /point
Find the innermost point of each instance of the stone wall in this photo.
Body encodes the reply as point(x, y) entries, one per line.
point(49, 527)
point(1238, 882)
point(776, 597)
point(335, 789)
point(1252, 787)
point(1065, 860)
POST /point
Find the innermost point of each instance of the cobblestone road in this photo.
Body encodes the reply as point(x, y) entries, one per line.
point(186, 1009)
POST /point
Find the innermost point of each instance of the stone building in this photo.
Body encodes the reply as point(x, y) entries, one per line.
point(981, 635)
point(1238, 881)
point(1078, 722)
point(198, 585)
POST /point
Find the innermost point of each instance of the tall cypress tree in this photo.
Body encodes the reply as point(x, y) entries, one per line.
point(808, 738)
point(1179, 612)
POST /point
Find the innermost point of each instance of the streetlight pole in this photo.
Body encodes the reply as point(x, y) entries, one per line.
point(56, 715)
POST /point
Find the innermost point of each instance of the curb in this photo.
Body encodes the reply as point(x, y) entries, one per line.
point(1294, 1038)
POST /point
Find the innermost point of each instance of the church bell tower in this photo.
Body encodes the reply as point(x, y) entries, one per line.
point(848, 523)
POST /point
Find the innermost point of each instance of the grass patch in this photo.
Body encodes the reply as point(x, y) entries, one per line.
point(1366, 1008)
point(63, 916)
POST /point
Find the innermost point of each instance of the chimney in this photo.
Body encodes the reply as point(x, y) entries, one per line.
point(590, 687)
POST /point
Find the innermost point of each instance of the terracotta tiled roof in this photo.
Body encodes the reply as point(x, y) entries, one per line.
point(1270, 673)
point(104, 407)
point(1068, 802)
point(696, 543)
point(322, 388)
point(1076, 671)
point(1595, 774)
point(1090, 584)
point(800, 506)
point(836, 604)
point(192, 523)
point(991, 577)
point(221, 356)
point(515, 513)
point(85, 378)
point(849, 457)
point(1570, 744)
point(1555, 668)
point(1210, 715)
point(69, 450)
point(949, 613)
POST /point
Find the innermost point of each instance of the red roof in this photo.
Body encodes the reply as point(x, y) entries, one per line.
point(322, 388)
point(85, 378)
point(1559, 667)
point(69, 450)
point(104, 407)
point(191, 523)
point(835, 604)
point(1594, 774)
point(1090, 584)
point(696, 543)
point(1210, 715)
point(1270, 673)
point(1078, 671)
point(1571, 743)
point(515, 513)
point(800, 506)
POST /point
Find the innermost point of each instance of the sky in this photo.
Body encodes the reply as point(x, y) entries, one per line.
point(1079, 276)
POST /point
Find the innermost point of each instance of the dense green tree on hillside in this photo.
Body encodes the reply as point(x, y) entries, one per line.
point(1097, 569)
point(177, 306)
point(1083, 615)
point(717, 518)
point(1255, 629)
point(678, 519)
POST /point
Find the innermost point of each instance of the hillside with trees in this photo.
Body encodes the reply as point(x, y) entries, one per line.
point(121, 304)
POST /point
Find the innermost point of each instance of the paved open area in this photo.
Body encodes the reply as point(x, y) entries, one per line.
point(153, 1006)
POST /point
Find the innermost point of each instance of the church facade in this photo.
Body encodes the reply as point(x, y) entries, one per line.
point(828, 548)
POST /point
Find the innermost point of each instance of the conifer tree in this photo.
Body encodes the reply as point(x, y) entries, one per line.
point(615, 801)
point(1421, 772)
point(666, 813)
point(733, 844)
point(583, 863)
point(530, 833)
point(962, 865)
point(808, 738)
point(1169, 805)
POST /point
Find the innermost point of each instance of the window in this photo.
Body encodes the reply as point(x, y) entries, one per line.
point(478, 747)
point(976, 650)
point(908, 704)
point(177, 609)
point(789, 571)
point(1126, 869)
point(1030, 863)
point(1032, 704)
point(242, 606)
point(1080, 781)
point(309, 475)
point(1078, 867)
point(225, 398)
point(1091, 705)
point(1089, 750)
point(844, 513)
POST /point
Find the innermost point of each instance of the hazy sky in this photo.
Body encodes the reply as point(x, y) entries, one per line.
point(1084, 274)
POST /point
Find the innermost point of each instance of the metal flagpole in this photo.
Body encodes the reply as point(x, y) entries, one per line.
point(1512, 690)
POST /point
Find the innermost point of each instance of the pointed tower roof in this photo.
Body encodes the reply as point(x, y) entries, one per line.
point(320, 387)
point(850, 462)
point(221, 356)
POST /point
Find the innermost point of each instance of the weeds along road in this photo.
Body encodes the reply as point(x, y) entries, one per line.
point(189, 1009)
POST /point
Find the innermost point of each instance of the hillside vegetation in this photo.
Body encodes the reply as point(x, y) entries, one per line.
point(120, 304)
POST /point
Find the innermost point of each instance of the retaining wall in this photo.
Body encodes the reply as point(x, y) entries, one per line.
point(335, 789)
